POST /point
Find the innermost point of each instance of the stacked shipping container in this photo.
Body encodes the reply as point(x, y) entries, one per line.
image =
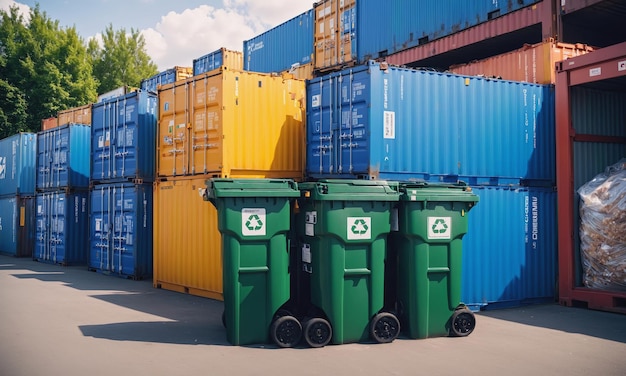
point(221, 58)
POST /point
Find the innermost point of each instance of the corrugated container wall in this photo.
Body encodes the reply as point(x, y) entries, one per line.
point(17, 225)
point(221, 58)
point(531, 63)
point(166, 77)
point(63, 157)
point(350, 30)
point(281, 47)
point(76, 115)
point(232, 123)
point(123, 138)
point(378, 122)
point(49, 123)
point(119, 92)
point(18, 159)
point(120, 228)
point(509, 252)
point(61, 231)
point(187, 243)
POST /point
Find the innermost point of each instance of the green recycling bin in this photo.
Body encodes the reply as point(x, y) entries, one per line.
point(342, 228)
point(432, 220)
point(254, 218)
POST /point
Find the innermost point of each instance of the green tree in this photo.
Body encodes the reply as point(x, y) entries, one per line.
point(42, 65)
point(121, 60)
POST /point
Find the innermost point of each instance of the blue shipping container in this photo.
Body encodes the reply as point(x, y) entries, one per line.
point(510, 249)
point(168, 76)
point(217, 59)
point(18, 158)
point(61, 231)
point(281, 47)
point(378, 122)
point(17, 225)
point(410, 23)
point(123, 138)
point(63, 155)
point(120, 226)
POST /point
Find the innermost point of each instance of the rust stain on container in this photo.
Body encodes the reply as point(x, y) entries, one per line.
point(226, 123)
point(187, 243)
point(531, 63)
point(76, 115)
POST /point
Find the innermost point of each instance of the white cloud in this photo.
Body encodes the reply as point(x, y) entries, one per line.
point(181, 37)
point(24, 9)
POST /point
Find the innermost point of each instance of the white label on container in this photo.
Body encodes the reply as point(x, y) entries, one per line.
point(439, 227)
point(98, 224)
point(621, 65)
point(253, 222)
point(39, 209)
point(359, 228)
point(321, 31)
point(595, 72)
point(309, 229)
point(306, 253)
point(389, 124)
point(315, 100)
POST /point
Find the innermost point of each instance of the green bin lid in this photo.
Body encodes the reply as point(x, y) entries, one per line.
point(218, 188)
point(350, 190)
point(436, 192)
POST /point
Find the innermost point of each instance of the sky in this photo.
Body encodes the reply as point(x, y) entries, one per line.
point(176, 31)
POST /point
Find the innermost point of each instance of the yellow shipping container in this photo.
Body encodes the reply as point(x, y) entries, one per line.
point(226, 123)
point(333, 43)
point(187, 244)
point(76, 115)
point(531, 63)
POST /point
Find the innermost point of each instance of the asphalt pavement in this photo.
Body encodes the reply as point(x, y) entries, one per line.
point(66, 320)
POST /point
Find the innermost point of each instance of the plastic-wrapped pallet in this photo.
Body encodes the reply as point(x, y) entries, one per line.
point(603, 229)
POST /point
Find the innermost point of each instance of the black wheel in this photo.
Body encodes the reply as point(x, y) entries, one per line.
point(286, 331)
point(384, 327)
point(463, 323)
point(224, 318)
point(317, 332)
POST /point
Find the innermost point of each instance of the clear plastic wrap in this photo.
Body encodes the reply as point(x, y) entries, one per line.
point(603, 229)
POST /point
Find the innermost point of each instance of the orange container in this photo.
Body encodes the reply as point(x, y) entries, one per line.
point(301, 71)
point(49, 123)
point(531, 63)
point(333, 38)
point(232, 123)
point(76, 115)
point(187, 244)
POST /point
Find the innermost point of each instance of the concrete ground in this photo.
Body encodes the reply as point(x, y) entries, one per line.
point(58, 320)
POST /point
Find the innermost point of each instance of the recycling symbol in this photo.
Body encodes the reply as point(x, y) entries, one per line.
point(359, 227)
point(254, 223)
point(440, 226)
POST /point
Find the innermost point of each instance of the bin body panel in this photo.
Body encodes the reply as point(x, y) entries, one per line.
point(343, 237)
point(18, 159)
point(123, 138)
point(255, 254)
point(17, 225)
point(120, 227)
point(61, 232)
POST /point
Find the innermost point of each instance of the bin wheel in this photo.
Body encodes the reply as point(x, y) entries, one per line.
point(317, 332)
point(384, 327)
point(463, 322)
point(286, 331)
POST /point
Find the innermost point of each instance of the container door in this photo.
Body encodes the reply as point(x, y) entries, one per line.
point(207, 124)
point(323, 123)
point(353, 111)
point(101, 247)
point(42, 227)
point(124, 217)
point(102, 133)
point(58, 238)
point(174, 118)
point(126, 137)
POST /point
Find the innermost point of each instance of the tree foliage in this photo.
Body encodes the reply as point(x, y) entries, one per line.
point(121, 60)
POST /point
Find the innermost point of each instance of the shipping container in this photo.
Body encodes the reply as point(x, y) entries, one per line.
point(381, 122)
point(591, 135)
point(301, 71)
point(277, 49)
point(17, 225)
point(119, 92)
point(120, 228)
point(62, 227)
point(49, 123)
point(232, 123)
point(187, 242)
point(123, 138)
point(509, 251)
point(531, 63)
point(76, 115)
point(222, 58)
point(166, 77)
point(349, 31)
point(18, 160)
point(63, 157)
